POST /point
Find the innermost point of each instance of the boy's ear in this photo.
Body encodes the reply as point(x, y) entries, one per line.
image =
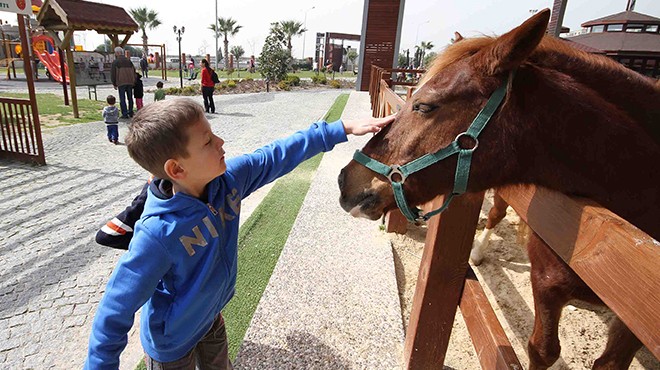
point(174, 170)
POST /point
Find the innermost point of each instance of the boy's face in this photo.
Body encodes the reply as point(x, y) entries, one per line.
point(206, 158)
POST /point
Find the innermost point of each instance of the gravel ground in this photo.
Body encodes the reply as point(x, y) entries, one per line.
point(53, 274)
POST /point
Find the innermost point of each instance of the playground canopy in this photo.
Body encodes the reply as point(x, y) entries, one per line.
point(78, 15)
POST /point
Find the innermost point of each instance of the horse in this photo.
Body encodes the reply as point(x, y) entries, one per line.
point(572, 122)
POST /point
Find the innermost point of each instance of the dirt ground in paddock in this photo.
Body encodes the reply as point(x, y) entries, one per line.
point(504, 274)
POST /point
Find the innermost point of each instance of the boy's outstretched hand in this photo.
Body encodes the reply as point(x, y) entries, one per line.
point(363, 126)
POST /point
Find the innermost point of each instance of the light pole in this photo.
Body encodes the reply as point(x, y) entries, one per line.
point(179, 32)
point(217, 61)
point(305, 33)
point(417, 34)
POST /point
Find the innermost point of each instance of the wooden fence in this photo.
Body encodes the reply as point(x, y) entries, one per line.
point(20, 131)
point(617, 260)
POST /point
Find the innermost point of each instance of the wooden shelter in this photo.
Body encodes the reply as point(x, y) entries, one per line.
point(68, 16)
point(630, 38)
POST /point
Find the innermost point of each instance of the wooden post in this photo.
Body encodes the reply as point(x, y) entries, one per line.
point(72, 80)
point(395, 222)
point(27, 67)
point(441, 278)
point(63, 74)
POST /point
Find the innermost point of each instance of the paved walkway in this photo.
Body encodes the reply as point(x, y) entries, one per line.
point(53, 273)
point(332, 301)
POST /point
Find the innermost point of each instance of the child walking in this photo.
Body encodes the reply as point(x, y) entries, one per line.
point(111, 119)
point(138, 91)
point(181, 265)
point(160, 93)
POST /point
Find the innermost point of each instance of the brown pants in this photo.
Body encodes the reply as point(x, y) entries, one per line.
point(210, 353)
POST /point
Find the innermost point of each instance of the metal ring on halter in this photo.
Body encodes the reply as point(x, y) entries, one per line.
point(476, 141)
point(396, 171)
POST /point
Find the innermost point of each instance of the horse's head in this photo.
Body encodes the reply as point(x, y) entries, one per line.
point(450, 95)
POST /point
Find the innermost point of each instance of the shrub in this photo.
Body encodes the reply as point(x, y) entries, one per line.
point(335, 83)
point(319, 79)
point(248, 79)
point(293, 80)
point(284, 85)
point(231, 84)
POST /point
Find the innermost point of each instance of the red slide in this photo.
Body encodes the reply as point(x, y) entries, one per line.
point(50, 60)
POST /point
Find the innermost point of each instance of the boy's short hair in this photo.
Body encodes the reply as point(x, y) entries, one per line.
point(111, 99)
point(158, 132)
point(159, 84)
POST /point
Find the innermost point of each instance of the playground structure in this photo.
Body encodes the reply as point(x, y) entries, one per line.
point(68, 16)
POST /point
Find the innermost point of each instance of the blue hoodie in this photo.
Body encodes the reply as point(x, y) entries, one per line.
point(182, 260)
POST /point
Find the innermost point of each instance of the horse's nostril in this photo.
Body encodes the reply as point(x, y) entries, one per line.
point(340, 178)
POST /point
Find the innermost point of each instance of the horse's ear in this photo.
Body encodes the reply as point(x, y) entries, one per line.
point(512, 48)
point(457, 37)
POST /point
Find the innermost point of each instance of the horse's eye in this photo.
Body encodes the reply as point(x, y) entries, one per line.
point(423, 108)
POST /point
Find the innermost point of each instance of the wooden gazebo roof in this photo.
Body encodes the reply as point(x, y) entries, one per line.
point(79, 15)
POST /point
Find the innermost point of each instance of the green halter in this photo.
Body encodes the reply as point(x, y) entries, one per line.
point(462, 167)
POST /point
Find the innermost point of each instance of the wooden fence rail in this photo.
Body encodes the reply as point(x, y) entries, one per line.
point(617, 260)
point(20, 132)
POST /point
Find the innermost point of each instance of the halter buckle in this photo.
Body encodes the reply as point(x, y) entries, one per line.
point(396, 171)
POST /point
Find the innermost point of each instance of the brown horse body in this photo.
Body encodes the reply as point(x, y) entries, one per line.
point(572, 122)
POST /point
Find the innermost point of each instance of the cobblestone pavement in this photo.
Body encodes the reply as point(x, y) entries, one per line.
point(53, 273)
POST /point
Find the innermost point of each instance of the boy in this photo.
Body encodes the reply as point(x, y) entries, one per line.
point(111, 119)
point(160, 93)
point(182, 259)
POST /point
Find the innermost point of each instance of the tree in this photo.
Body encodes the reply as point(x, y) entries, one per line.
point(274, 60)
point(424, 46)
point(226, 27)
point(352, 56)
point(429, 58)
point(237, 51)
point(145, 18)
point(106, 48)
point(289, 29)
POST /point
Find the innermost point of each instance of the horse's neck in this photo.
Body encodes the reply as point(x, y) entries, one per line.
point(596, 149)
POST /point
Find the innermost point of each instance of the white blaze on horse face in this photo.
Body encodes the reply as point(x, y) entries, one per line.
point(357, 212)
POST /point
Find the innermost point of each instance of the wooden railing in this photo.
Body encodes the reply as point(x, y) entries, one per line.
point(383, 99)
point(618, 262)
point(20, 131)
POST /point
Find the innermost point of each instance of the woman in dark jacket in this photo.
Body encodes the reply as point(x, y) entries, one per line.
point(207, 86)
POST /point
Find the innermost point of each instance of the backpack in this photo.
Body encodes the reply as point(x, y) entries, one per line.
point(214, 77)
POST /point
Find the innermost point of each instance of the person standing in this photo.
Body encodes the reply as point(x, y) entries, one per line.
point(208, 85)
point(144, 66)
point(138, 91)
point(122, 75)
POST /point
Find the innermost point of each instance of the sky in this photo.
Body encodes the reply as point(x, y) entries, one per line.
point(424, 20)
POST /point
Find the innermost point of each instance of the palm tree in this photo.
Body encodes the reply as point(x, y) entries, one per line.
point(290, 29)
point(145, 18)
point(237, 52)
point(227, 27)
point(424, 46)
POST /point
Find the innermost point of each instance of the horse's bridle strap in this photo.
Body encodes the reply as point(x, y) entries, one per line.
point(464, 160)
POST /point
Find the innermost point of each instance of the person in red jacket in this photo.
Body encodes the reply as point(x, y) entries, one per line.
point(208, 86)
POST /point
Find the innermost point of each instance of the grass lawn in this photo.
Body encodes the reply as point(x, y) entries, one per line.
point(262, 237)
point(53, 112)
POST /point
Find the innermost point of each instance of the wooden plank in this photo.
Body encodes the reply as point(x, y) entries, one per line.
point(489, 339)
point(395, 222)
point(616, 259)
point(440, 282)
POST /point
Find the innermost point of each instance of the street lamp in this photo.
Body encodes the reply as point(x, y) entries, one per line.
point(305, 33)
point(179, 32)
point(217, 57)
point(417, 34)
